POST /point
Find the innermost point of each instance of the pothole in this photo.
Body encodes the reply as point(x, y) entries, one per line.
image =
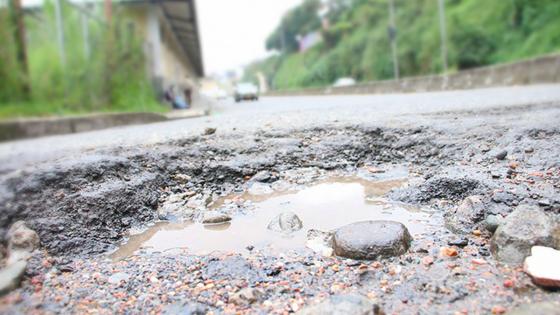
point(325, 206)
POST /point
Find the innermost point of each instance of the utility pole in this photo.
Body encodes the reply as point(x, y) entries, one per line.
point(60, 32)
point(108, 11)
point(85, 34)
point(283, 38)
point(443, 33)
point(393, 38)
point(19, 37)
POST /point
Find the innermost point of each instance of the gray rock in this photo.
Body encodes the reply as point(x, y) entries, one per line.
point(463, 218)
point(215, 218)
point(246, 296)
point(10, 277)
point(371, 240)
point(343, 304)
point(118, 277)
point(285, 222)
point(502, 155)
point(265, 177)
point(542, 308)
point(209, 131)
point(492, 222)
point(525, 227)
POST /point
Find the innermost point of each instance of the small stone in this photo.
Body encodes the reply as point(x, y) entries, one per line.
point(211, 217)
point(460, 242)
point(285, 222)
point(502, 155)
point(529, 150)
point(370, 240)
point(478, 261)
point(492, 222)
point(448, 252)
point(543, 266)
point(428, 260)
point(508, 283)
point(464, 217)
point(246, 296)
point(265, 177)
point(209, 131)
point(118, 277)
point(22, 241)
point(544, 203)
point(498, 309)
point(10, 277)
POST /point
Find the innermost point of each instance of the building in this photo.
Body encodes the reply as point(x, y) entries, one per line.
point(169, 30)
point(171, 41)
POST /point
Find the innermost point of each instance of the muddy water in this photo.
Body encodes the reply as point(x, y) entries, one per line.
point(324, 206)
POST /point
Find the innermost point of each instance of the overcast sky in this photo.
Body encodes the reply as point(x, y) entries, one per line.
point(234, 32)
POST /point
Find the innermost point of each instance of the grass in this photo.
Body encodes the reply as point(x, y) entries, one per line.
point(48, 109)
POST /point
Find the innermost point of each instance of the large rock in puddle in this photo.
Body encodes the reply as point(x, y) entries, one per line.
point(371, 240)
point(285, 222)
point(343, 304)
point(525, 227)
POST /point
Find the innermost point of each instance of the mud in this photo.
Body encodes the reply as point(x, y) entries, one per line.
point(84, 209)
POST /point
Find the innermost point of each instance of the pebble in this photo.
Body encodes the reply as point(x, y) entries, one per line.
point(502, 155)
point(460, 242)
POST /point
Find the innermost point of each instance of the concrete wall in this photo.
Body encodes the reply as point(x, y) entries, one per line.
point(36, 127)
point(538, 70)
point(167, 63)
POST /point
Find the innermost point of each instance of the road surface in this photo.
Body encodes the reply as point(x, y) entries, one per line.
point(294, 112)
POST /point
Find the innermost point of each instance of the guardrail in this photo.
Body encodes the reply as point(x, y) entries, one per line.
point(545, 69)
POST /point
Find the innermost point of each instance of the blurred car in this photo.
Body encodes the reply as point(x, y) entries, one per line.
point(215, 93)
point(246, 91)
point(344, 82)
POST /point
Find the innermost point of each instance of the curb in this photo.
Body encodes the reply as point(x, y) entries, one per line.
point(24, 128)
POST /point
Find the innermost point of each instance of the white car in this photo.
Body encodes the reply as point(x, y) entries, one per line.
point(246, 91)
point(344, 82)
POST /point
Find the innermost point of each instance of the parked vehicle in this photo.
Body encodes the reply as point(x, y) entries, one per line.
point(246, 91)
point(344, 82)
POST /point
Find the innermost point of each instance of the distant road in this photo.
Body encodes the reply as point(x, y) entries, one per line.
point(304, 112)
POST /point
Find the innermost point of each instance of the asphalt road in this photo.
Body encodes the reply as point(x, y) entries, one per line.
point(527, 105)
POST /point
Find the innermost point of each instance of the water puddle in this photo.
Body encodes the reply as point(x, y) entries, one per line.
point(324, 206)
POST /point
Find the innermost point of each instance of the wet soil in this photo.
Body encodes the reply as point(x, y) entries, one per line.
point(84, 209)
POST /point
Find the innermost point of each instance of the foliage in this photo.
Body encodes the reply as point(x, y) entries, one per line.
point(299, 21)
point(480, 32)
point(112, 77)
